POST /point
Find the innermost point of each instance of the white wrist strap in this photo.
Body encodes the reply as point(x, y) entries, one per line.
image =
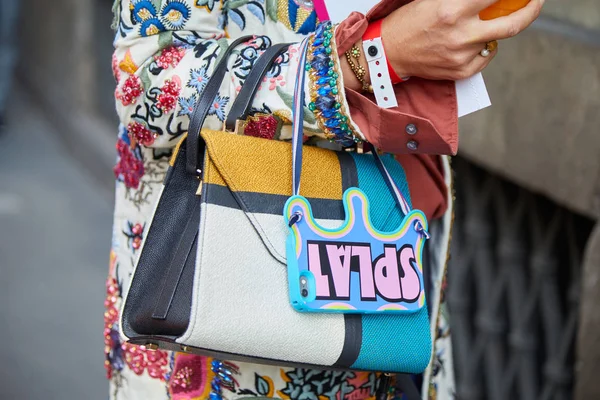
point(380, 75)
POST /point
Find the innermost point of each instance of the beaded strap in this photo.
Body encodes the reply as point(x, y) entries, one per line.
point(325, 88)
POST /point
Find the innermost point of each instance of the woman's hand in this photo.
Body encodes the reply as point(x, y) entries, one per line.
point(442, 39)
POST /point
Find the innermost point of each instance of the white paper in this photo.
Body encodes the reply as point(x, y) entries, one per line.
point(339, 10)
point(472, 95)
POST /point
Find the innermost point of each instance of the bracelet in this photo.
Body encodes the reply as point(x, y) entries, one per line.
point(326, 101)
point(374, 31)
point(359, 71)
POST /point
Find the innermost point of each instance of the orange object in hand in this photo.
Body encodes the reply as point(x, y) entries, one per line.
point(502, 8)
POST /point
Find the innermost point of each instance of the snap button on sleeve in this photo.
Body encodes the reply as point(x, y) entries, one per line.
point(411, 129)
point(412, 145)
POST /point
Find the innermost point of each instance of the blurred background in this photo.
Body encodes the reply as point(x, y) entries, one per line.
point(525, 268)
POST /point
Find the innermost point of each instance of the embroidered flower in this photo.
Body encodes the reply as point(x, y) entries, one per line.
point(187, 105)
point(112, 345)
point(130, 167)
point(190, 377)
point(169, 57)
point(144, 13)
point(167, 99)
point(141, 134)
point(175, 13)
point(140, 360)
point(273, 82)
point(198, 79)
point(208, 4)
point(134, 233)
point(264, 126)
point(115, 67)
point(130, 90)
point(218, 107)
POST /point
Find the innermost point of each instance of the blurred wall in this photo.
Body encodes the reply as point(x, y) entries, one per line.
point(66, 67)
point(543, 131)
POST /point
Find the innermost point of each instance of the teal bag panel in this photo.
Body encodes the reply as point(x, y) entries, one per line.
point(391, 343)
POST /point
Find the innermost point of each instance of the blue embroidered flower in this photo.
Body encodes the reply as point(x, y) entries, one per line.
point(143, 10)
point(231, 11)
point(175, 14)
point(218, 107)
point(198, 79)
point(187, 105)
point(209, 4)
point(151, 27)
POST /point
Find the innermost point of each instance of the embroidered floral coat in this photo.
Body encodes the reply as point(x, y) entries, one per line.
point(165, 53)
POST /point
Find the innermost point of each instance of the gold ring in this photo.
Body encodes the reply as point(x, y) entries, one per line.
point(489, 48)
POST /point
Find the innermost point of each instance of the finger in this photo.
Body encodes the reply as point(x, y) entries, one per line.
point(510, 25)
point(476, 6)
point(478, 64)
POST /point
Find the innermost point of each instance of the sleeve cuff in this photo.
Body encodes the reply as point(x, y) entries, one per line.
point(426, 119)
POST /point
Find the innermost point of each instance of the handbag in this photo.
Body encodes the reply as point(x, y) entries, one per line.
point(211, 277)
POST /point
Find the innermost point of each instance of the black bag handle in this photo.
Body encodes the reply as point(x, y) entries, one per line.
point(203, 106)
point(241, 106)
point(243, 102)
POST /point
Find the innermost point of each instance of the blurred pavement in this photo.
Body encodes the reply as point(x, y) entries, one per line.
point(55, 229)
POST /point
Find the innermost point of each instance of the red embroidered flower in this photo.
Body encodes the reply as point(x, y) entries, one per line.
point(129, 169)
point(262, 127)
point(141, 134)
point(111, 336)
point(140, 359)
point(169, 57)
point(167, 100)
point(130, 90)
point(190, 377)
point(115, 67)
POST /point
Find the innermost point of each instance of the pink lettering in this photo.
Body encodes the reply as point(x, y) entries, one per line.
point(411, 286)
point(367, 285)
point(339, 261)
point(314, 266)
point(387, 276)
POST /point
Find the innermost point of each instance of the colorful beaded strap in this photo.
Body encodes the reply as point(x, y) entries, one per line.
point(297, 131)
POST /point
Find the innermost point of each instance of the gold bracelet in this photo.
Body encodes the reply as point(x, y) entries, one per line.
point(359, 71)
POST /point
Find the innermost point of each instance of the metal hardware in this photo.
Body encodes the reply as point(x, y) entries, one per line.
point(151, 346)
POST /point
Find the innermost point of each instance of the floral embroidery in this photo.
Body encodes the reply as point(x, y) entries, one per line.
point(314, 384)
point(169, 57)
point(187, 105)
point(115, 67)
point(218, 107)
point(190, 378)
point(249, 55)
point(169, 93)
point(231, 11)
point(139, 133)
point(144, 13)
point(117, 354)
point(198, 79)
point(130, 90)
point(113, 361)
point(175, 13)
point(264, 126)
point(208, 4)
point(134, 232)
point(130, 167)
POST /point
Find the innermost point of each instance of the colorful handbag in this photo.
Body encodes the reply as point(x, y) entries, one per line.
point(212, 277)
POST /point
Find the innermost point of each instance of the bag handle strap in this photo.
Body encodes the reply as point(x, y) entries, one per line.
point(298, 120)
point(243, 102)
point(194, 159)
